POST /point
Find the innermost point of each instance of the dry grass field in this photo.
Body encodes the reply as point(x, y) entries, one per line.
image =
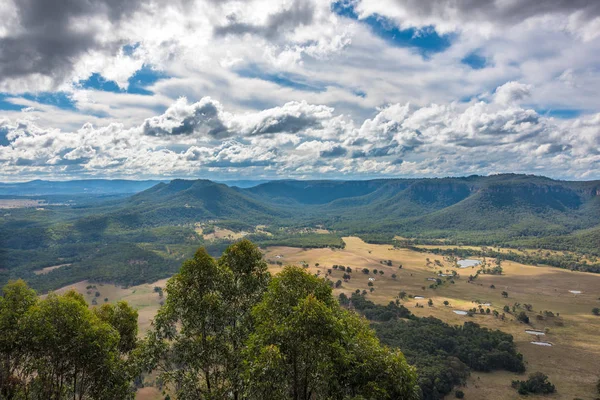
point(572, 363)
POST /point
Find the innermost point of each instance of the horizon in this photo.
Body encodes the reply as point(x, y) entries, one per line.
point(298, 89)
point(265, 180)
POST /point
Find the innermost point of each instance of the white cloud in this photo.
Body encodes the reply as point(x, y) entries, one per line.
point(301, 139)
point(289, 88)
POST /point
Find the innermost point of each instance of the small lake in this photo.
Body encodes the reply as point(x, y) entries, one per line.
point(531, 332)
point(468, 263)
point(460, 312)
point(542, 344)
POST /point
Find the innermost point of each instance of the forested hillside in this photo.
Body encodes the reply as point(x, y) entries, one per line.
point(144, 236)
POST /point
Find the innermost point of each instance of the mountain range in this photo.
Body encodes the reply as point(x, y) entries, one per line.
point(158, 224)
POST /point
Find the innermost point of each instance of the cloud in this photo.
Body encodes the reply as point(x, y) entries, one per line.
point(299, 13)
point(45, 37)
point(512, 92)
point(485, 15)
point(299, 139)
point(207, 118)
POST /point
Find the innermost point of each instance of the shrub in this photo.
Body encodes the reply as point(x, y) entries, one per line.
point(537, 383)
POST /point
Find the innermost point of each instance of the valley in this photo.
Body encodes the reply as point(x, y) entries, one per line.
point(571, 361)
point(535, 240)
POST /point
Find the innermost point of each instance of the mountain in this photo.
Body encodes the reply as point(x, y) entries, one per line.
point(516, 205)
point(87, 186)
point(184, 201)
point(106, 240)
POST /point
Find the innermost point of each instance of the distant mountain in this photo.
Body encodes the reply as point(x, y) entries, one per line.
point(520, 205)
point(185, 201)
point(75, 187)
point(243, 183)
point(105, 239)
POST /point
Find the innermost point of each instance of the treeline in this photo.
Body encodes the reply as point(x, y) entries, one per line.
point(443, 354)
point(227, 329)
point(304, 240)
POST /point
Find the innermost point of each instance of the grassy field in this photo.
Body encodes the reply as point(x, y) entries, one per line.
point(571, 363)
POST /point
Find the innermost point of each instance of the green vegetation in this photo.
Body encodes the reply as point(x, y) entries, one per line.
point(57, 348)
point(537, 383)
point(157, 226)
point(227, 329)
point(443, 354)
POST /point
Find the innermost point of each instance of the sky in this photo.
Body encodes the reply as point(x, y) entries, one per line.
point(303, 89)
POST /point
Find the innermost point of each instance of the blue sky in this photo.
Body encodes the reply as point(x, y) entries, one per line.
point(299, 89)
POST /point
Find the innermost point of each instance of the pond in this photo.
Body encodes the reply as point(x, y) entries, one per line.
point(466, 263)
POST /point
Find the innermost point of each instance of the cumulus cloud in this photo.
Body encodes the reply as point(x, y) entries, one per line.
point(315, 102)
point(299, 139)
point(207, 118)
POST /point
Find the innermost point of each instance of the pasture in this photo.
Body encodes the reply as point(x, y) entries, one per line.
point(571, 362)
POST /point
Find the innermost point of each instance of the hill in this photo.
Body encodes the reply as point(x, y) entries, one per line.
point(161, 224)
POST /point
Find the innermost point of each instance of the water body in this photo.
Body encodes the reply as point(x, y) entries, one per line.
point(460, 312)
point(542, 344)
point(468, 263)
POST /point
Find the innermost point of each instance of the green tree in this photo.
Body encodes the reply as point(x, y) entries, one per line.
point(15, 301)
point(536, 383)
point(596, 311)
point(523, 317)
point(198, 334)
point(124, 319)
point(74, 354)
point(306, 346)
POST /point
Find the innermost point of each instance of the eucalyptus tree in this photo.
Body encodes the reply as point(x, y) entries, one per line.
point(306, 346)
point(57, 348)
point(197, 337)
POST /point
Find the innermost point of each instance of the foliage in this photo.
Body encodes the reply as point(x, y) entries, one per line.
point(537, 383)
point(223, 333)
point(198, 334)
point(443, 354)
point(305, 346)
point(57, 348)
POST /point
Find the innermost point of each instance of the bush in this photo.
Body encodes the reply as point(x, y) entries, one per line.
point(459, 394)
point(523, 317)
point(537, 383)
